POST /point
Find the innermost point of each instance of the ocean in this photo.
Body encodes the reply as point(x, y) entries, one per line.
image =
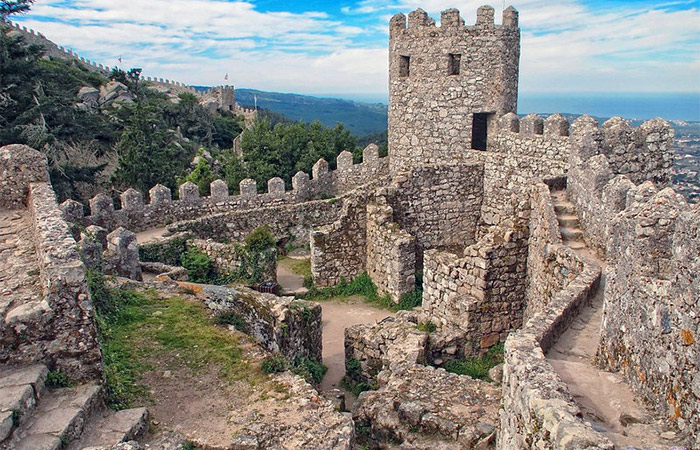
point(628, 105)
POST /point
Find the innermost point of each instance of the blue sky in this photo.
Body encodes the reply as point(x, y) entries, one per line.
point(322, 47)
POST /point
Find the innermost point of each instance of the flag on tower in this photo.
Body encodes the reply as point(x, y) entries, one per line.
point(120, 60)
point(226, 77)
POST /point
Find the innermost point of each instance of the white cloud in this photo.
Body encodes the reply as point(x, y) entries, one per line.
point(565, 45)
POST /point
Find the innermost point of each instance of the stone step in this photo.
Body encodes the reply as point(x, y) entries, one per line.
point(20, 390)
point(108, 428)
point(571, 234)
point(569, 221)
point(575, 245)
point(562, 209)
point(58, 419)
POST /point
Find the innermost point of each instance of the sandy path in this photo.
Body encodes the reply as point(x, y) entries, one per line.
point(337, 316)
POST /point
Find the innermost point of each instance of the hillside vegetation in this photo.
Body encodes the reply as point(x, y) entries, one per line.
point(360, 118)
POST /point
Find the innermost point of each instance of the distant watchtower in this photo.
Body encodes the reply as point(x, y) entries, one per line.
point(447, 83)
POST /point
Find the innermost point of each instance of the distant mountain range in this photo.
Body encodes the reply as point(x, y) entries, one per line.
point(360, 118)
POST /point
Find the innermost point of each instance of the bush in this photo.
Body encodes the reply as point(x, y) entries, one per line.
point(260, 239)
point(309, 369)
point(200, 267)
point(274, 364)
point(427, 327)
point(57, 379)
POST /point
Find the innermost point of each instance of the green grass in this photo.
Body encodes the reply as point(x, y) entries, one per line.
point(364, 287)
point(57, 379)
point(135, 328)
point(477, 368)
point(427, 327)
point(309, 369)
point(301, 267)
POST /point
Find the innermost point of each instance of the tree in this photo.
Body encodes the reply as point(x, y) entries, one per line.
point(148, 151)
point(11, 7)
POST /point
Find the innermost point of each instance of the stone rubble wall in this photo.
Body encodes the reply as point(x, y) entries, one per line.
point(228, 258)
point(551, 265)
point(598, 185)
point(280, 324)
point(538, 409)
point(68, 341)
point(339, 249)
point(136, 215)
point(391, 252)
point(651, 328)
point(293, 221)
point(483, 291)
point(415, 405)
point(19, 167)
point(430, 112)
point(438, 204)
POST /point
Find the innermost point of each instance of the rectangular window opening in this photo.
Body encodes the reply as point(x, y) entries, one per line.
point(404, 66)
point(454, 63)
point(480, 126)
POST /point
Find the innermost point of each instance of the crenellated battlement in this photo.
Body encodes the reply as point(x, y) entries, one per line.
point(136, 215)
point(419, 22)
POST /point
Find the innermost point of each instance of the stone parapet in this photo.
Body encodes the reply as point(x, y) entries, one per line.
point(135, 215)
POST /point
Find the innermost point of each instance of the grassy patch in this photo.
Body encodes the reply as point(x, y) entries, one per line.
point(477, 368)
point(136, 327)
point(363, 286)
point(427, 327)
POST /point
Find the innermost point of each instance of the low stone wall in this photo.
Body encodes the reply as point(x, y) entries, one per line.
point(651, 328)
point(538, 409)
point(551, 266)
point(228, 258)
point(69, 340)
point(280, 324)
point(483, 292)
point(391, 252)
point(285, 221)
point(136, 215)
point(19, 166)
point(339, 250)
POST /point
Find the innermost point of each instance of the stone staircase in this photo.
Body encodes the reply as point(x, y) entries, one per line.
point(35, 417)
point(569, 224)
point(605, 399)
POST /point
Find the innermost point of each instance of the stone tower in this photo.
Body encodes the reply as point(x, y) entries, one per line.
point(228, 98)
point(448, 83)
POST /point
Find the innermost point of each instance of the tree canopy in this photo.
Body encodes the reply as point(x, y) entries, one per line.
point(10, 7)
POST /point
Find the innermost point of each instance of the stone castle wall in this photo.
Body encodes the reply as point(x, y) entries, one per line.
point(599, 180)
point(339, 249)
point(228, 258)
point(440, 76)
point(651, 242)
point(538, 409)
point(481, 292)
point(136, 215)
point(391, 252)
point(19, 167)
point(57, 330)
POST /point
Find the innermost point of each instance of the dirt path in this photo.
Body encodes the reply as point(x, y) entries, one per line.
point(152, 235)
point(605, 399)
point(337, 316)
point(288, 280)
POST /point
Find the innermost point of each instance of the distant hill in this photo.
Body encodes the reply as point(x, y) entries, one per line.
point(360, 118)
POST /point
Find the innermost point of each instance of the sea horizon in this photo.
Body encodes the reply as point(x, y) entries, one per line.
point(641, 106)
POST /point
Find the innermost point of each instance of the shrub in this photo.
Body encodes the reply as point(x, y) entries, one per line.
point(309, 369)
point(274, 364)
point(427, 327)
point(260, 239)
point(57, 379)
point(477, 368)
point(200, 267)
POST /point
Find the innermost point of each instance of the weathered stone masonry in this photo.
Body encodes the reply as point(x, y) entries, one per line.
point(56, 327)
